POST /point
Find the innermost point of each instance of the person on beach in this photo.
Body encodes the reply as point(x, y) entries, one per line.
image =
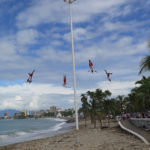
point(123, 116)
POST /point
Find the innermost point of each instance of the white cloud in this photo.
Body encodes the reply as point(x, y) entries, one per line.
point(117, 87)
point(100, 35)
point(7, 49)
point(27, 36)
point(18, 98)
point(79, 34)
point(94, 7)
point(45, 11)
point(55, 55)
point(33, 96)
point(37, 89)
point(33, 105)
point(71, 101)
point(7, 104)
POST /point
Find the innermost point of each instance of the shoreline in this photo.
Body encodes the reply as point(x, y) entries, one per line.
point(111, 138)
point(24, 136)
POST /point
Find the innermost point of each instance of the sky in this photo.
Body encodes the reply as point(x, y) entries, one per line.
point(35, 34)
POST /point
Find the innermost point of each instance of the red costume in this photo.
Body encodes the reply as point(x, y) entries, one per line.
point(64, 81)
point(30, 76)
point(91, 66)
point(108, 75)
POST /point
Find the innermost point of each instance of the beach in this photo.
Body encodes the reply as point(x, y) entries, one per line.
point(111, 138)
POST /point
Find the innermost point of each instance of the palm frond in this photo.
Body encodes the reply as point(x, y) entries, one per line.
point(145, 64)
point(144, 79)
point(149, 43)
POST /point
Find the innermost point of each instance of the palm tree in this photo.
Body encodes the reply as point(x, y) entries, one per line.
point(145, 63)
point(96, 104)
point(107, 104)
point(139, 98)
point(85, 107)
point(120, 99)
point(143, 92)
point(92, 107)
point(131, 101)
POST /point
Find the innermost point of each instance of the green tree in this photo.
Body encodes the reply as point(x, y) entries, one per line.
point(92, 106)
point(121, 103)
point(143, 92)
point(96, 104)
point(138, 99)
point(85, 107)
point(67, 112)
point(145, 62)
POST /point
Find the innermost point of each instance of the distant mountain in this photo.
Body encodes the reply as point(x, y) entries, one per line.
point(9, 111)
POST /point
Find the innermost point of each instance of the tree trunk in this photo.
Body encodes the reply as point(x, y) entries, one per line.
point(108, 121)
point(94, 119)
point(85, 121)
point(100, 123)
point(91, 119)
point(94, 123)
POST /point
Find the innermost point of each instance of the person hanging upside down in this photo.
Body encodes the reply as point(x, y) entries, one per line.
point(108, 75)
point(29, 80)
point(91, 67)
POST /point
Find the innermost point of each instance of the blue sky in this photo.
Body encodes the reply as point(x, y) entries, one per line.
point(36, 35)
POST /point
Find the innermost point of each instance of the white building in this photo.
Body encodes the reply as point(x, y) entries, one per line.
point(26, 113)
point(59, 115)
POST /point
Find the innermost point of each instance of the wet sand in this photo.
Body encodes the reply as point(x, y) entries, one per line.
point(111, 138)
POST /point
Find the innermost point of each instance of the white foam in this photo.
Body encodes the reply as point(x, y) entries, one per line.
point(3, 137)
point(58, 119)
point(58, 126)
point(21, 133)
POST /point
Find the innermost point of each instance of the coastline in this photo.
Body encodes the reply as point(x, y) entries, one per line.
point(111, 138)
point(28, 133)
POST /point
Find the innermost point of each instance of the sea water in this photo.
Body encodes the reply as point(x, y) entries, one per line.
point(19, 130)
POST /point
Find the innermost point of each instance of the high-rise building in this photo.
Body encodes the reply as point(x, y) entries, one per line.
point(53, 109)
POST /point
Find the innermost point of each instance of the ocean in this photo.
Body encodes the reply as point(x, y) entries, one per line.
point(20, 130)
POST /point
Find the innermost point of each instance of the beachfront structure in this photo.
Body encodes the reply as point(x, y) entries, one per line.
point(46, 111)
point(19, 115)
point(38, 113)
point(5, 115)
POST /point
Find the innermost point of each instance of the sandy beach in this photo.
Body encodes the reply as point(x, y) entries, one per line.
point(111, 138)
